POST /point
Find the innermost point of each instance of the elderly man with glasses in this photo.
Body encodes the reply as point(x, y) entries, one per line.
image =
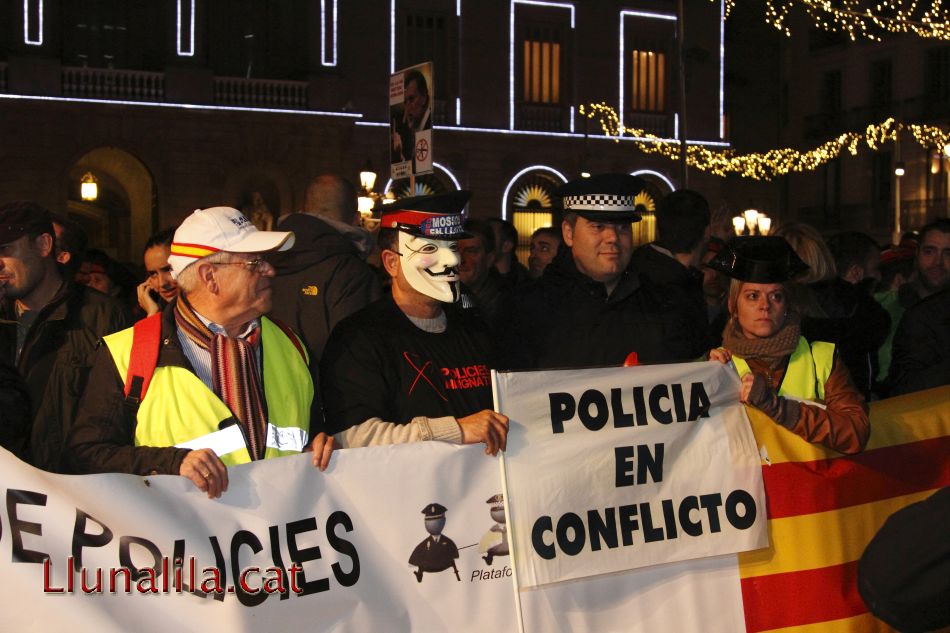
point(209, 382)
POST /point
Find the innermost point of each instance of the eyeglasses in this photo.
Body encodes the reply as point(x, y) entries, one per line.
point(252, 265)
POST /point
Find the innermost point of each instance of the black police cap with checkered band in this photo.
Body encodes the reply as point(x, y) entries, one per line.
point(604, 197)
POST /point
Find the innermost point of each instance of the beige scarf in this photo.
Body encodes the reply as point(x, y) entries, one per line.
point(772, 349)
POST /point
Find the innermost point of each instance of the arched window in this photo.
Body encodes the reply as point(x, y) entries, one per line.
point(441, 180)
point(529, 203)
point(658, 185)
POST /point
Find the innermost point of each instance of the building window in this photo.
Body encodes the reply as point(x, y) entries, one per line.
point(648, 72)
point(532, 208)
point(95, 34)
point(648, 81)
point(937, 73)
point(880, 83)
point(542, 67)
point(541, 50)
point(529, 204)
point(831, 92)
point(33, 22)
point(938, 190)
point(831, 193)
point(882, 173)
point(432, 36)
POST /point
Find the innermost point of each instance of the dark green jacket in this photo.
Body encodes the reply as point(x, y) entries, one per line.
point(55, 362)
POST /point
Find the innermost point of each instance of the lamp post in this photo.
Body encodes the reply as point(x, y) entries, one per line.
point(898, 173)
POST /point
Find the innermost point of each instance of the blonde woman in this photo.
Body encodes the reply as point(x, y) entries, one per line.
point(835, 310)
point(801, 385)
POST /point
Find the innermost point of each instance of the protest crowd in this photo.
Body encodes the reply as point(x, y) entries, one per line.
point(247, 342)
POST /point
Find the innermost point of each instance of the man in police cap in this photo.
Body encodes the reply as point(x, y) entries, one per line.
point(590, 307)
point(209, 382)
point(413, 366)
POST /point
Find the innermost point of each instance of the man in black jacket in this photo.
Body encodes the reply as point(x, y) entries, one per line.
point(323, 278)
point(50, 328)
point(674, 259)
point(921, 353)
point(590, 307)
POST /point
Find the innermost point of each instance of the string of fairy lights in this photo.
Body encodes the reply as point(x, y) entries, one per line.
point(774, 162)
point(863, 18)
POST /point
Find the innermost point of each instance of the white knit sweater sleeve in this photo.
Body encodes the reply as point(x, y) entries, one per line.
point(377, 432)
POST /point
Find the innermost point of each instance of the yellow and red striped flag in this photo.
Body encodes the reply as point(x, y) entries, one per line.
point(824, 508)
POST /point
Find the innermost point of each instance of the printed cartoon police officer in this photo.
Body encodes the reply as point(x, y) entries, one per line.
point(437, 552)
point(495, 541)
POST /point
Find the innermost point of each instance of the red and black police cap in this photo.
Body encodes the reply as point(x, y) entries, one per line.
point(438, 217)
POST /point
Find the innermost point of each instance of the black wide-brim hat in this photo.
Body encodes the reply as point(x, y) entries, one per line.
point(766, 259)
point(438, 217)
point(604, 197)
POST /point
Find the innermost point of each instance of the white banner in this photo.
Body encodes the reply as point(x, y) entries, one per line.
point(615, 469)
point(352, 531)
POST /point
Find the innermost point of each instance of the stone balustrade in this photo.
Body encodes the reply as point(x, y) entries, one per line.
point(110, 83)
point(260, 93)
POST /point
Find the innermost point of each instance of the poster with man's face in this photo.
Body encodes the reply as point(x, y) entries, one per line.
point(410, 121)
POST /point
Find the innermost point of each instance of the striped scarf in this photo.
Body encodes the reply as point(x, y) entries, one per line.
point(234, 374)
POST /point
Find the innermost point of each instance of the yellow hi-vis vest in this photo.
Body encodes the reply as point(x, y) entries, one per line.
point(179, 410)
point(807, 373)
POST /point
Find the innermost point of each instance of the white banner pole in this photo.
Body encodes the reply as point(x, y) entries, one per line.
point(504, 491)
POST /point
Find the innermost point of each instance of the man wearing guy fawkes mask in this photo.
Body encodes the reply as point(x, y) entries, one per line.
point(413, 366)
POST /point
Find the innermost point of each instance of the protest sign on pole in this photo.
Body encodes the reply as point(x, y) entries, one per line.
point(620, 468)
point(411, 91)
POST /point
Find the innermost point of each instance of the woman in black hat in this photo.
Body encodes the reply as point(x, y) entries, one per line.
point(801, 385)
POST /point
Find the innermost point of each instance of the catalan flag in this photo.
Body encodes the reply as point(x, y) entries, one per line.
point(824, 508)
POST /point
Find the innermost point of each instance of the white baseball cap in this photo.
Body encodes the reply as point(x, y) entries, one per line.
point(207, 231)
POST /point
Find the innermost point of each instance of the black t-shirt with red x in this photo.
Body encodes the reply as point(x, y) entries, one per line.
point(377, 363)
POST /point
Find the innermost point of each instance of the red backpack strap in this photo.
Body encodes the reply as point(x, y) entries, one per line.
point(146, 342)
point(289, 333)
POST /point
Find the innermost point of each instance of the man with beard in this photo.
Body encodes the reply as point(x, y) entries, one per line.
point(933, 264)
point(209, 382)
point(591, 307)
point(413, 366)
point(921, 352)
point(49, 330)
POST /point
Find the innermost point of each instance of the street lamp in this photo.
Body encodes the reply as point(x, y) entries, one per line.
point(751, 216)
point(368, 198)
point(88, 187)
point(367, 178)
point(738, 224)
point(751, 222)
